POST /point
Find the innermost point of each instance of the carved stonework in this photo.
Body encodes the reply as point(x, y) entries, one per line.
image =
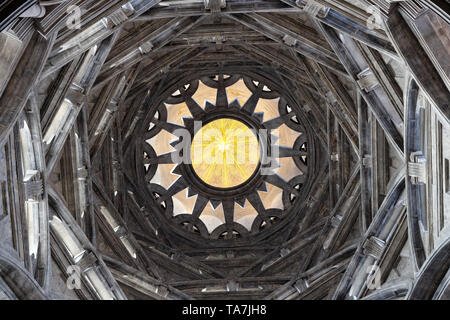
point(313, 8)
point(374, 247)
point(215, 5)
point(213, 149)
point(417, 169)
point(367, 80)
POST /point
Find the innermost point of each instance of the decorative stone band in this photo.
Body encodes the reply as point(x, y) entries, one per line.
point(146, 47)
point(87, 261)
point(301, 285)
point(367, 161)
point(374, 247)
point(34, 188)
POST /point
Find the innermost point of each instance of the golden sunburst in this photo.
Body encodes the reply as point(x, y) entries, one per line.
point(225, 153)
